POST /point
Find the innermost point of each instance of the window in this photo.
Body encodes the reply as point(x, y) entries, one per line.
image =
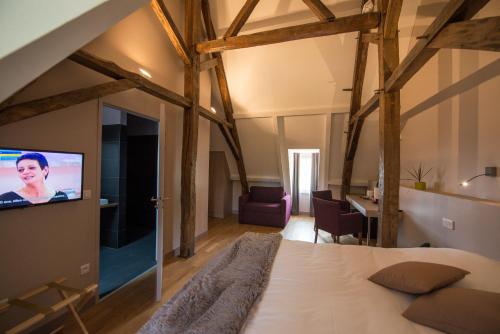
point(305, 168)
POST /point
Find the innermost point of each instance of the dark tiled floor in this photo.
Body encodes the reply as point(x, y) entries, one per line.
point(120, 265)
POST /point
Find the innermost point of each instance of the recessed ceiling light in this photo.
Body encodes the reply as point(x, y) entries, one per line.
point(145, 73)
point(212, 109)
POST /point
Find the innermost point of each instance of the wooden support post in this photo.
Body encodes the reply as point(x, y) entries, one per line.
point(389, 131)
point(190, 130)
point(226, 100)
point(354, 129)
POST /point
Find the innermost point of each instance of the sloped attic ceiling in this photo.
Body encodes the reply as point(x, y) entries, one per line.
point(36, 35)
point(299, 76)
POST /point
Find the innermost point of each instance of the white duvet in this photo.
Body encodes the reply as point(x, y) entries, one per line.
point(323, 288)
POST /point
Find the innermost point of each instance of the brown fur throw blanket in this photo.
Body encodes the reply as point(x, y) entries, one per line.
point(217, 300)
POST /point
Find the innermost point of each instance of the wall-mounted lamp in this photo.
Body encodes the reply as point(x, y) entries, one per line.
point(488, 171)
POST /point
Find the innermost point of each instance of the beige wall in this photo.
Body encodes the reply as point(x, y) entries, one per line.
point(450, 119)
point(42, 243)
point(55, 30)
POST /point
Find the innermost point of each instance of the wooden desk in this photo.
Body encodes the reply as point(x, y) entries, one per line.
point(367, 208)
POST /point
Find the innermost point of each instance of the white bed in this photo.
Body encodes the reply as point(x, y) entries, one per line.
point(323, 288)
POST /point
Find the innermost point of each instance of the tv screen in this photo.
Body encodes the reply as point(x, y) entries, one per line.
point(39, 177)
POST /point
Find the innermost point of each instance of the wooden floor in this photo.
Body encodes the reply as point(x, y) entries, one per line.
point(129, 308)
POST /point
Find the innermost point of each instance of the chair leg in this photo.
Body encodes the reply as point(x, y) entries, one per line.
point(316, 236)
point(360, 238)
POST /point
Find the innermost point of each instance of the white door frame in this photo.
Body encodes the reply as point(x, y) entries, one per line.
point(160, 195)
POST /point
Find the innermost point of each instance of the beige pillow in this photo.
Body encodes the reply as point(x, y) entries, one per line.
point(417, 277)
point(457, 311)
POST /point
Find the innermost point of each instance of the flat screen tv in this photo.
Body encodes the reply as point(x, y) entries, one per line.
point(29, 177)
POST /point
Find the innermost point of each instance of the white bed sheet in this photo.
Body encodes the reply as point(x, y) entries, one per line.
point(323, 288)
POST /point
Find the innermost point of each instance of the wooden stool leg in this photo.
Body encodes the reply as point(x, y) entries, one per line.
point(360, 238)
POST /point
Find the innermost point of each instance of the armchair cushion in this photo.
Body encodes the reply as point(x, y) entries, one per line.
point(266, 194)
point(263, 207)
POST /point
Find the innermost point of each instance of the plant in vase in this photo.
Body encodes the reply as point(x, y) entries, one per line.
point(418, 175)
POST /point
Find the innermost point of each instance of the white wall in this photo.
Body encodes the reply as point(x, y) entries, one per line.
point(477, 224)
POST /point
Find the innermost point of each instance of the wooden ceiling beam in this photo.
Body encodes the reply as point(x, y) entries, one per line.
point(455, 10)
point(370, 37)
point(354, 130)
point(366, 109)
point(170, 28)
point(205, 113)
point(392, 18)
point(341, 25)
point(481, 34)
point(320, 10)
point(226, 100)
point(241, 18)
point(44, 105)
point(208, 64)
point(112, 70)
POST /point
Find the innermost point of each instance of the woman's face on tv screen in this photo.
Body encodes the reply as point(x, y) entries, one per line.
point(30, 171)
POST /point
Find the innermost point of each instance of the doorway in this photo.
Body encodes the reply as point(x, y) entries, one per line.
point(304, 175)
point(129, 187)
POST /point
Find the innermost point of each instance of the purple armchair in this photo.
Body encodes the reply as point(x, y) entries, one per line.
point(269, 206)
point(327, 196)
point(330, 218)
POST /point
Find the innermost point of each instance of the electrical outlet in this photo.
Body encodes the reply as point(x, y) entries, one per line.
point(85, 269)
point(87, 194)
point(448, 223)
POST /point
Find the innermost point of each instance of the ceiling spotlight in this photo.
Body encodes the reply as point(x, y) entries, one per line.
point(464, 184)
point(145, 73)
point(212, 109)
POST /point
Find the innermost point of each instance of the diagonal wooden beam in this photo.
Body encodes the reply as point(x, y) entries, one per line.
point(229, 139)
point(205, 113)
point(370, 37)
point(226, 99)
point(354, 131)
point(241, 18)
point(170, 28)
point(320, 10)
point(114, 71)
point(482, 34)
point(366, 109)
point(338, 26)
point(41, 106)
point(392, 18)
point(455, 10)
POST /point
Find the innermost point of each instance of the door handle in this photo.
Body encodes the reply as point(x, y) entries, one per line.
point(156, 201)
